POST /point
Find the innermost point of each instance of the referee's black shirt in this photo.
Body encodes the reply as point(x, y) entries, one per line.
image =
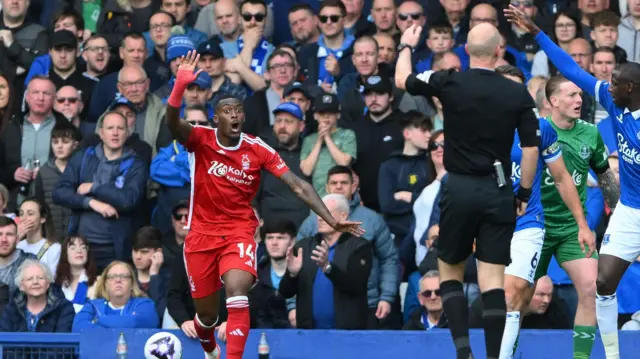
point(482, 110)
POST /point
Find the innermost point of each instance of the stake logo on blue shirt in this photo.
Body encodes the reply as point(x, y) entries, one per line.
point(549, 152)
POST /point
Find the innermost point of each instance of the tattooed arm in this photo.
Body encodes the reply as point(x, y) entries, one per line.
point(308, 194)
point(609, 187)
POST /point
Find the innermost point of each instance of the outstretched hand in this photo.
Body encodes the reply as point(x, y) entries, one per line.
point(186, 67)
point(521, 20)
point(349, 226)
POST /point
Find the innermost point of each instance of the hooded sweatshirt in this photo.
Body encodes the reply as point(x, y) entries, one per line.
point(401, 173)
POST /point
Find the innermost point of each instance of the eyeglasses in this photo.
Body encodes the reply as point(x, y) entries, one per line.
point(72, 100)
point(413, 16)
point(197, 123)
point(118, 276)
point(97, 48)
point(133, 83)
point(154, 27)
point(259, 17)
point(179, 217)
point(285, 66)
point(434, 146)
point(333, 18)
point(428, 293)
point(526, 4)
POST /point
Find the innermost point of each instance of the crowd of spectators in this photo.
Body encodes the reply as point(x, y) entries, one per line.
point(94, 190)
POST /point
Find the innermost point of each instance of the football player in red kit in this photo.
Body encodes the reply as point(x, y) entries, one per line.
point(225, 175)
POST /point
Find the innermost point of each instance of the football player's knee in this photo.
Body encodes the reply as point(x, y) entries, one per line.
point(604, 286)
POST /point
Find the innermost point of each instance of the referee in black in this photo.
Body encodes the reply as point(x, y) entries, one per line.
point(482, 110)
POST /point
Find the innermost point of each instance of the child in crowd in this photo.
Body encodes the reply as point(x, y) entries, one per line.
point(64, 140)
point(440, 40)
point(147, 260)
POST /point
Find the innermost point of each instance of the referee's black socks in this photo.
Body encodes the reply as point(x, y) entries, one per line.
point(494, 316)
point(457, 310)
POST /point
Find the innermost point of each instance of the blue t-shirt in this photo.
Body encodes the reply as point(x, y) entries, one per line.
point(322, 304)
point(605, 127)
point(550, 151)
point(275, 279)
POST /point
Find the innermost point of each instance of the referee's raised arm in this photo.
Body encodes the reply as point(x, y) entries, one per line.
point(408, 42)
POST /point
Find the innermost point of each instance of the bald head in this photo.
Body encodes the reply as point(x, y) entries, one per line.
point(483, 13)
point(483, 41)
point(129, 72)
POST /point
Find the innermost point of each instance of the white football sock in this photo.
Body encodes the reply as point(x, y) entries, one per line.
point(607, 314)
point(510, 335)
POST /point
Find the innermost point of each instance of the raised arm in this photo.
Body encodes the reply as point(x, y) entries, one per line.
point(185, 75)
point(563, 61)
point(403, 65)
point(305, 192)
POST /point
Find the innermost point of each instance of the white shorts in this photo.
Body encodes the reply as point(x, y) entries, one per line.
point(622, 238)
point(526, 246)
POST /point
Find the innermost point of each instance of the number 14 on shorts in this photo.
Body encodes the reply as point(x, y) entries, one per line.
point(248, 253)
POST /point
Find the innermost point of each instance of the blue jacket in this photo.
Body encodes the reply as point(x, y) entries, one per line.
point(57, 316)
point(170, 168)
point(401, 173)
point(39, 66)
point(196, 36)
point(103, 94)
point(383, 280)
point(137, 313)
point(125, 192)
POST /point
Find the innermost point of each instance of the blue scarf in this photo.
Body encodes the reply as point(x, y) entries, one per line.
point(259, 54)
point(81, 293)
point(323, 53)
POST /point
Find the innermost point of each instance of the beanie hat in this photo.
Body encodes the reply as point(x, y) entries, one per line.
point(178, 46)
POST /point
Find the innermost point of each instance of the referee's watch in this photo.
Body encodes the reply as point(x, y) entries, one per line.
point(402, 46)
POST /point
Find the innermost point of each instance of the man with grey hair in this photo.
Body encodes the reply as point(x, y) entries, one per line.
point(483, 111)
point(328, 274)
point(428, 315)
point(133, 84)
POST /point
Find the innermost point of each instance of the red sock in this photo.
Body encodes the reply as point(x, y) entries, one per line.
point(206, 335)
point(237, 326)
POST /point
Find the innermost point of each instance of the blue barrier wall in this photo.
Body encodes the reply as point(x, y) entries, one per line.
point(298, 344)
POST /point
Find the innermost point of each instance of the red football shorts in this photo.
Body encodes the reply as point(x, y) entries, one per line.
point(206, 267)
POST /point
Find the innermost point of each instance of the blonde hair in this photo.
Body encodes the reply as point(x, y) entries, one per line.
point(101, 282)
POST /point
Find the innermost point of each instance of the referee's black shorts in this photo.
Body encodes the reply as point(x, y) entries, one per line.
point(474, 207)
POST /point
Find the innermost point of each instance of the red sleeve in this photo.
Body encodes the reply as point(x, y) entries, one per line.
point(198, 136)
point(271, 160)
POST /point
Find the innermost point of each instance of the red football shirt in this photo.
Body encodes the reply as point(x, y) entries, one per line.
point(224, 180)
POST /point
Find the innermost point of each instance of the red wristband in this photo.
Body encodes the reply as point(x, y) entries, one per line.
point(175, 99)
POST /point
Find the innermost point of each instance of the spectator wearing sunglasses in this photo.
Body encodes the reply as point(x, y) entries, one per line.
point(325, 63)
point(69, 103)
point(170, 169)
point(172, 241)
point(409, 13)
point(129, 111)
point(429, 315)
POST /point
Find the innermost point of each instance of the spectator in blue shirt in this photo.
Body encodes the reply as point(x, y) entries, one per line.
point(37, 306)
point(430, 312)
point(119, 303)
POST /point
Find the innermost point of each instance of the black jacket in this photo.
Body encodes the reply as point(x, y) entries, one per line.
point(385, 137)
point(415, 321)
point(269, 307)
point(275, 200)
point(257, 112)
point(349, 274)
point(57, 316)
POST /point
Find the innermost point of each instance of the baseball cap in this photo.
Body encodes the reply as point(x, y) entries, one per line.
point(296, 86)
point(177, 46)
point(203, 80)
point(211, 47)
point(377, 84)
point(180, 205)
point(290, 108)
point(64, 38)
point(326, 102)
point(122, 101)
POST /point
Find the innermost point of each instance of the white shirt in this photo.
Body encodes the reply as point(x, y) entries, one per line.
point(422, 208)
point(50, 257)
